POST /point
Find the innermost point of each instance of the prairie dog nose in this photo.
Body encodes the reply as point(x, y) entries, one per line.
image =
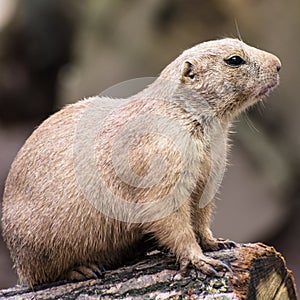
point(277, 63)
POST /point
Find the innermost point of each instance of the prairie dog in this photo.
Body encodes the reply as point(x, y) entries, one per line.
point(96, 177)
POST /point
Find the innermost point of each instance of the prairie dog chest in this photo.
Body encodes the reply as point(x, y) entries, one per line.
point(212, 149)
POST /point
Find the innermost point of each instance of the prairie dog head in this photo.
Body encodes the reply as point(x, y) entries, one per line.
point(228, 74)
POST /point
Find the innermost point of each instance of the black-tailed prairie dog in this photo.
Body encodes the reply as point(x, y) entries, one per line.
point(99, 175)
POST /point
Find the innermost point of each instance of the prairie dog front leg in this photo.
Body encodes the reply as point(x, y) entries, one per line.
point(176, 233)
point(201, 220)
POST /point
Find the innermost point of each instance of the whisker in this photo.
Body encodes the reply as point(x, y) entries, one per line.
point(261, 107)
point(238, 30)
point(250, 123)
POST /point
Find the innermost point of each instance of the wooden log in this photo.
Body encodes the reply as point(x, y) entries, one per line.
point(258, 272)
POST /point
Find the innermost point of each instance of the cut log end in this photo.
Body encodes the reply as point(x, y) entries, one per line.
point(258, 272)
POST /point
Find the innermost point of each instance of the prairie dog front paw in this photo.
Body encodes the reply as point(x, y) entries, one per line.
point(206, 265)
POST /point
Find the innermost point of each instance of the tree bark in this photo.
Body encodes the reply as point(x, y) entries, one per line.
point(258, 272)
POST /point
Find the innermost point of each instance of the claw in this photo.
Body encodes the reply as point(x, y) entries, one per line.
point(225, 267)
point(183, 264)
point(227, 244)
point(98, 271)
point(218, 265)
point(85, 272)
point(209, 270)
point(206, 265)
point(217, 244)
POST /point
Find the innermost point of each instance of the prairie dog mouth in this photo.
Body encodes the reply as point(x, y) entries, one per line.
point(265, 91)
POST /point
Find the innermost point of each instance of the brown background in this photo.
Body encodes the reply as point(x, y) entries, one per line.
point(56, 52)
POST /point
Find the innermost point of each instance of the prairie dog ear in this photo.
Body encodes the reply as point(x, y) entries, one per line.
point(187, 71)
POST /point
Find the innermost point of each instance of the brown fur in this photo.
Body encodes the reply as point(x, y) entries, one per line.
point(52, 218)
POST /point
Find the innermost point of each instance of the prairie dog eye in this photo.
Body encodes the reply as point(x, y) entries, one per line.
point(234, 61)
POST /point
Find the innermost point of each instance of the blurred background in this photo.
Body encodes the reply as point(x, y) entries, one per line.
point(54, 52)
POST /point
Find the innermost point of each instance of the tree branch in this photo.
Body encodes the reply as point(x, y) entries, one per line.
point(258, 272)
